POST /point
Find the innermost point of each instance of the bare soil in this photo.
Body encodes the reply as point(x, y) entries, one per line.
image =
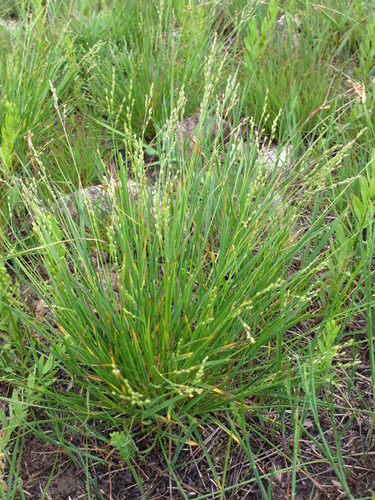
point(48, 468)
point(41, 463)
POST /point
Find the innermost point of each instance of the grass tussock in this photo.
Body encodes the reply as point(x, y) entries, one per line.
point(208, 308)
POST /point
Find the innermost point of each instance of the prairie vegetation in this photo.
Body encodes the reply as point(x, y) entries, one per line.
point(205, 328)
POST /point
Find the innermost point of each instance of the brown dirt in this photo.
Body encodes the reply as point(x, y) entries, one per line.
point(42, 463)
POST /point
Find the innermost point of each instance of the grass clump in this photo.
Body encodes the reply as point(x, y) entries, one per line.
point(207, 308)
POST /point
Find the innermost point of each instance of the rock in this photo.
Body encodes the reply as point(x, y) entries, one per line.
point(36, 305)
point(40, 310)
point(186, 133)
point(97, 198)
point(93, 196)
point(9, 24)
point(289, 27)
point(271, 157)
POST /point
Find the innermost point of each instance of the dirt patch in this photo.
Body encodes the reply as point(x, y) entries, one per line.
point(45, 467)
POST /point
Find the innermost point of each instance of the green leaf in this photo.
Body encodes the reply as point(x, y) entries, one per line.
point(359, 209)
point(321, 346)
point(124, 444)
point(365, 190)
point(340, 235)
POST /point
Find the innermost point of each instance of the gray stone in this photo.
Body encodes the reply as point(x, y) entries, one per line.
point(97, 198)
point(187, 136)
point(9, 24)
point(271, 157)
